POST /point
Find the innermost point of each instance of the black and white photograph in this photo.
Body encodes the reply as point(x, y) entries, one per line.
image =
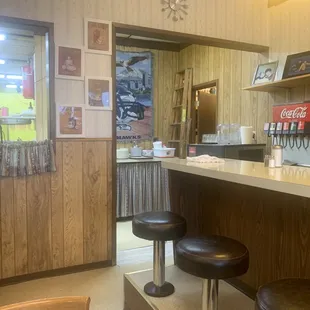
point(265, 73)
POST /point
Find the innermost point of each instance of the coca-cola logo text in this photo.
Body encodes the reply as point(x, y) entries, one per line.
point(298, 113)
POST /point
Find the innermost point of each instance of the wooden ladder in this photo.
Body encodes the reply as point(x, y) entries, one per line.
point(181, 112)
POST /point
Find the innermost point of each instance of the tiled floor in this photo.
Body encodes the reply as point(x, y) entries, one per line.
point(104, 286)
point(126, 239)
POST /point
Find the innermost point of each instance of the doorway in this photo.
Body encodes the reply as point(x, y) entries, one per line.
point(204, 110)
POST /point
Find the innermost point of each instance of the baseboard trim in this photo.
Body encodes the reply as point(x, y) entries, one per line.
point(242, 287)
point(54, 273)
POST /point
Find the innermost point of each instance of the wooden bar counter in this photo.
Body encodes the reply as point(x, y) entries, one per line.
point(266, 209)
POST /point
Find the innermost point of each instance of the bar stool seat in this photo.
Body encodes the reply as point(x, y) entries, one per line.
point(159, 227)
point(286, 294)
point(212, 258)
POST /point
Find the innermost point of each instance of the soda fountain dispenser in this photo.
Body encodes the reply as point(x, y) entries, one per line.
point(279, 136)
point(285, 133)
point(303, 129)
point(293, 134)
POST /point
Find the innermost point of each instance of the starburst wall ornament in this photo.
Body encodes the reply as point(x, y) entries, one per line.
point(176, 9)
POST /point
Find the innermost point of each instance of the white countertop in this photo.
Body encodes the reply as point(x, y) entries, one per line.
point(288, 179)
point(138, 161)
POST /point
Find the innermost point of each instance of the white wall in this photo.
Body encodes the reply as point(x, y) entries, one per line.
point(239, 20)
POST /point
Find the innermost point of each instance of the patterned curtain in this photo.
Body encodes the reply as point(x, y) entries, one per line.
point(141, 187)
point(21, 158)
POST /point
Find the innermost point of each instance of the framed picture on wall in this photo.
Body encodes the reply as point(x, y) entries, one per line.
point(98, 36)
point(297, 65)
point(70, 121)
point(98, 93)
point(265, 73)
point(69, 62)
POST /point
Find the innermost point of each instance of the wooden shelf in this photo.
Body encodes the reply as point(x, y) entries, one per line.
point(174, 141)
point(281, 85)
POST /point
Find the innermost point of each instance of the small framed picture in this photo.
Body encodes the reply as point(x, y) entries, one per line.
point(265, 73)
point(70, 62)
point(98, 36)
point(297, 65)
point(70, 121)
point(98, 93)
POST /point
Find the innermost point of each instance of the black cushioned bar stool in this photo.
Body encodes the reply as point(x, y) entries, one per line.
point(212, 258)
point(286, 294)
point(159, 227)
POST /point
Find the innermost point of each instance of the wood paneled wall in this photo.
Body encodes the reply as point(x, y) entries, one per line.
point(61, 219)
point(289, 28)
point(233, 70)
point(165, 66)
point(274, 226)
point(240, 20)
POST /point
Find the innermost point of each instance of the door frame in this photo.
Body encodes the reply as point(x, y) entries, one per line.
point(200, 87)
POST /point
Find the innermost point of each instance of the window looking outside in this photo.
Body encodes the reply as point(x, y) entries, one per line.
point(24, 88)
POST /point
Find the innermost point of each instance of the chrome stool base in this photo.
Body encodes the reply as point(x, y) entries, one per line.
point(210, 290)
point(159, 291)
point(159, 287)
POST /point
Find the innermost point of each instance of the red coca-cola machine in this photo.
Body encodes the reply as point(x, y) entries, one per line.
point(290, 126)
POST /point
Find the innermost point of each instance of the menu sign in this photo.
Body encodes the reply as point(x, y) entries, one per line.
point(291, 112)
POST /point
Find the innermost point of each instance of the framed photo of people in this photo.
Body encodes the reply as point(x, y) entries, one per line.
point(265, 73)
point(98, 36)
point(69, 62)
point(98, 93)
point(70, 121)
point(297, 65)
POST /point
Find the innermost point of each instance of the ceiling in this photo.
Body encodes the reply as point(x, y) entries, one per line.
point(15, 50)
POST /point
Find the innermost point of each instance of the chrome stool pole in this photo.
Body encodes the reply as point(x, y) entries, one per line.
point(159, 263)
point(159, 287)
point(210, 290)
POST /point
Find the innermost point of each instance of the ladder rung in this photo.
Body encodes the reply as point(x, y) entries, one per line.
point(179, 88)
point(177, 106)
point(174, 141)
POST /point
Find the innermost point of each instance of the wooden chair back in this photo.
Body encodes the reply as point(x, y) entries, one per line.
point(62, 303)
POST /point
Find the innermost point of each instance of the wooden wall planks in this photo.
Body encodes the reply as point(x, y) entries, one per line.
point(209, 18)
point(61, 219)
point(165, 66)
point(20, 225)
point(95, 201)
point(73, 203)
point(39, 223)
point(7, 229)
point(57, 210)
point(289, 26)
point(234, 70)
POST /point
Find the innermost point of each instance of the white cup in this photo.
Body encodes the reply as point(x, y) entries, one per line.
point(158, 145)
point(246, 133)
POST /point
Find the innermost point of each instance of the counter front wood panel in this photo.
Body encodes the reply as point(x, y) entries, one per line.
point(61, 219)
point(274, 226)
